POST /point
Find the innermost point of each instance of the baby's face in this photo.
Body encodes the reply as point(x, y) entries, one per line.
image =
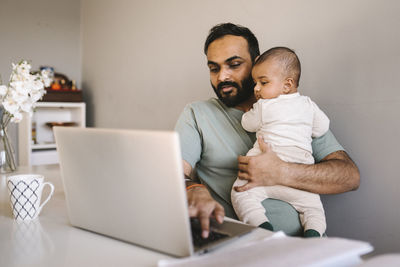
point(268, 79)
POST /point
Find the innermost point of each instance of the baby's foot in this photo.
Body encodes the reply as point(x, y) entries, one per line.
point(266, 225)
point(311, 233)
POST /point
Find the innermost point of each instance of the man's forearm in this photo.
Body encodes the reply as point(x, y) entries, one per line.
point(336, 173)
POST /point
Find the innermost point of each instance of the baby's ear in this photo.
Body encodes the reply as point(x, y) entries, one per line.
point(288, 86)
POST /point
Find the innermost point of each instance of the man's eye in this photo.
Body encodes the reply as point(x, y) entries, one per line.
point(213, 70)
point(263, 83)
point(235, 65)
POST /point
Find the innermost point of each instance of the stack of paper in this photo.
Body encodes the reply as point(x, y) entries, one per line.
point(281, 250)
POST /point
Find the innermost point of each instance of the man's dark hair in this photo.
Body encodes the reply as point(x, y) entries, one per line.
point(220, 30)
point(287, 57)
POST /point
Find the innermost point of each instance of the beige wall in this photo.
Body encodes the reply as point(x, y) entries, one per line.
point(143, 61)
point(47, 32)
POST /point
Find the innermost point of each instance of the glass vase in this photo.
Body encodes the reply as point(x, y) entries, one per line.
point(7, 160)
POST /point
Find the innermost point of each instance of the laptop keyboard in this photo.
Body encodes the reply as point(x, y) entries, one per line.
point(199, 241)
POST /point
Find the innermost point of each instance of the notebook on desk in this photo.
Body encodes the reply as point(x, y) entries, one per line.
point(129, 185)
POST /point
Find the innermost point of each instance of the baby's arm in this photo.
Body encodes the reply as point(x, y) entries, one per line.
point(320, 123)
point(251, 120)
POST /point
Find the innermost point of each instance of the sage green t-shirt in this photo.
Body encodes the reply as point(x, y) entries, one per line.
point(212, 138)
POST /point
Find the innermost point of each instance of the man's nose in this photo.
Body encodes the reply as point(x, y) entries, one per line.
point(256, 87)
point(224, 75)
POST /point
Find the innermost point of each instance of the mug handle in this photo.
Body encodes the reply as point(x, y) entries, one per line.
point(48, 197)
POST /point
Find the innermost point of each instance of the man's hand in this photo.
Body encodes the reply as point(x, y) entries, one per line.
point(334, 174)
point(262, 170)
point(203, 206)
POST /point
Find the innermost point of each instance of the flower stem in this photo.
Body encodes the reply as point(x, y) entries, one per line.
point(9, 161)
point(9, 150)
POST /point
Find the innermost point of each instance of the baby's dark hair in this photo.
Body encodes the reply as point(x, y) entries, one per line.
point(287, 57)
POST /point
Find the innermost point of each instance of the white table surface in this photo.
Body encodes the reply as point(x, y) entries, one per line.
point(51, 241)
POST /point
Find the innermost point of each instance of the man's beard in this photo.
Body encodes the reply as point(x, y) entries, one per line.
point(243, 93)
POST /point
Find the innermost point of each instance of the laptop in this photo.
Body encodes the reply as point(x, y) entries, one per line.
point(129, 185)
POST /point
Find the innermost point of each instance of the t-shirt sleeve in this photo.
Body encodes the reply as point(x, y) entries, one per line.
point(251, 120)
point(189, 135)
point(325, 145)
point(320, 122)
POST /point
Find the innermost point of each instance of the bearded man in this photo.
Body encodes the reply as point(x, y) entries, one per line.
point(212, 140)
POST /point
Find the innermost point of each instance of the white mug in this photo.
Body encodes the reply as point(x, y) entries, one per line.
point(25, 194)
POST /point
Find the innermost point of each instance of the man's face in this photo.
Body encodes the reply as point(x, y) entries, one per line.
point(229, 61)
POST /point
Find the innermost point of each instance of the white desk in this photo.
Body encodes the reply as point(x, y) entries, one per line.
point(51, 241)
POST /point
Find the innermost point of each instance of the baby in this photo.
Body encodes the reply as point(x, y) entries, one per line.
point(287, 121)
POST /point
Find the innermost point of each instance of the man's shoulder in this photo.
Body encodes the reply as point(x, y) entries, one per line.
point(203, 105)
point(208, 112)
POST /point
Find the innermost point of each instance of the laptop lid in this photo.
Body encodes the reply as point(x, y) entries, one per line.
point(126, 184)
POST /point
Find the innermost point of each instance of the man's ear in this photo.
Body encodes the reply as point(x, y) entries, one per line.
point(288, 85)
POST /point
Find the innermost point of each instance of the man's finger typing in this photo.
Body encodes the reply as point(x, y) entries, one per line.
point(203, 206)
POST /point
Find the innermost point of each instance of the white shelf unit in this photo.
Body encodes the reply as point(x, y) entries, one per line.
point(43, 151)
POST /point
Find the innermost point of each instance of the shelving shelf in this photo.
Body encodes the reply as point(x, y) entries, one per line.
point(38, 146)
point(43, 146)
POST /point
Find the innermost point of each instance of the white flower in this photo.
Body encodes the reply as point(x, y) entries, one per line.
point(3, 90)
point(20, 87)
point(37, 85)
point(18, 97)
point(22, 69)
point(10, 105)
point(26, 106)
point(35, 96)
point(21, 72)
point(23, 91)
